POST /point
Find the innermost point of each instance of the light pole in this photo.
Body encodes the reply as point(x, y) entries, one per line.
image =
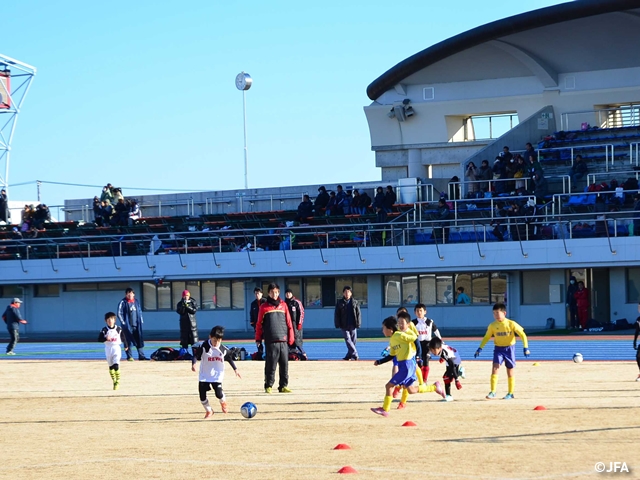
point(243, 83)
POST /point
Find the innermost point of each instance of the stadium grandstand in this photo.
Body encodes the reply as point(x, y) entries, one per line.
point(556, 78)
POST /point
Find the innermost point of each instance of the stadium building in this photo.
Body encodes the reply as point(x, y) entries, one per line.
point(562, 78)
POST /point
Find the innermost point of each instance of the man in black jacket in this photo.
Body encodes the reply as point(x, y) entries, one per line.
point(253, 314)
point(296, 311)
point(275, 328)
point(13, 319)
point(321, 201)
point(186, 308)
point(347, 318)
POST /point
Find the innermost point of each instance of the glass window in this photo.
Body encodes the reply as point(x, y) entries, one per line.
point(294, 285)
point(149, 300)
point(114, 286)
point(499, 287)
point(208, 295)
point(237, 294)
point(444, 289)
point(479, 292)
point(223, 294)
point(10, 291)
point(164, 296)
point(410, 290)
point(48, 290)
point(312, 292)
point(633, 284)
point(427, 289)
point(178, 287)
point(360, 290)
point(535, 287)
point(80, 287)
point(463, 280)
point(392, 290)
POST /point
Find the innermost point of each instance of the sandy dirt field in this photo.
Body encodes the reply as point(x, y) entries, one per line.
point(61, 419)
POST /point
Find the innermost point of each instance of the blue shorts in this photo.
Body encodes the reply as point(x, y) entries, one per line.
point(506, 354)
point(406, 375)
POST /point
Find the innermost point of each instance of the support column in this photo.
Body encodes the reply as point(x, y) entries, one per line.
point(415, 169)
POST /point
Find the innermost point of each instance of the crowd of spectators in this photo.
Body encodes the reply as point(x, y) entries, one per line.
point(111, 208)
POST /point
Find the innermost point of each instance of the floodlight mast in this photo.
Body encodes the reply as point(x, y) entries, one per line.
point(15, 82)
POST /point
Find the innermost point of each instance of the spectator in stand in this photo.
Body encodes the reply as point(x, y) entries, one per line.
point(378, 206)
point(332, 206)
point(117, 195)
point(510, 171)
point(529, 151)
point(390, 199)
point(107, 193)
point(305, 209)
point(472, 175)
point(519, 174)
point(578, 171)
point(534, 166)
point(107, 213)
point(443, 217)
point(365, 202)
point(506, 155)
point(484, 173)
point(540, 187)
point(356, 202)
point(499, 173)
point(134, 212)
point(27, 218)
point(321, 201)
point(4, 206)
point(41, 216)
point(97, 211)
point(340, 195)
point(121, 216)
point(346, 203)
point(454, 188)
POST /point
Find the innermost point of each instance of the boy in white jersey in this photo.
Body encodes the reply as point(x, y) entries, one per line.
point(113, 337)
point(454, 370)
point(427, 330)
point(212, 355)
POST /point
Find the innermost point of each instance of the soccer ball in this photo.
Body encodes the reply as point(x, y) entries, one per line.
point(577, 358)
point(248, 410)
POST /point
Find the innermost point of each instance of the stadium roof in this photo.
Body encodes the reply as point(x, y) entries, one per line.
point(545, 53)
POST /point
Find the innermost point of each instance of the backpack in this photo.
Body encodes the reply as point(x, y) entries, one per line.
point(164, 354)
point(237, 354)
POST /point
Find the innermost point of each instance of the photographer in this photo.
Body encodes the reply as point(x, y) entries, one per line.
point(472, 175)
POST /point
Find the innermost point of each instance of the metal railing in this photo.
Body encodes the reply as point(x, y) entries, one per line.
point(609, 153)
point(616, 117)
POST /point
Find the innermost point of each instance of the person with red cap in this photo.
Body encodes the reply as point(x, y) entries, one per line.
point(188, 325)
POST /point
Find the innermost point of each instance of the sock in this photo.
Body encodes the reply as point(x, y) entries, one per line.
point(419, 375)
point(447, 386)
point(386, 405)
point(494, 382)
point(405, 396)
point(511, 381)
point(223, 399)
point(206, 405)
point(116, 375)
point(424, 388)
point(112, 373)
point(425, 373)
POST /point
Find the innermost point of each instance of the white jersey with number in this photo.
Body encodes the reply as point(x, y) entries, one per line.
point(427, 329)
point(113, 340)
point(212, 363)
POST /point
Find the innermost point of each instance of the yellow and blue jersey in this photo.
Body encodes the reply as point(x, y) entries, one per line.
point(402, 344)
point(504, 334)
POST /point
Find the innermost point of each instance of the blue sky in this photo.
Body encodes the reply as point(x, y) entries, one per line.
point(141, 93)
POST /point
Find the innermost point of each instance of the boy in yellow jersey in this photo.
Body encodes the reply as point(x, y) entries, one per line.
point(504, 333)
point(403, 312)
point(402, 349)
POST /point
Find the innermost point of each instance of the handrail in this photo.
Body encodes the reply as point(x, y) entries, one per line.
point(627, 112)
point(591, 177)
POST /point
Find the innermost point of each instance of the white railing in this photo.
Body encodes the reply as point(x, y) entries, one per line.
point(608, 152)
point(623, 116)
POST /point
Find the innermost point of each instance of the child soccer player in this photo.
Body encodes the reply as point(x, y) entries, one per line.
point(212, 355)
point(504, 333)
point(402, 349)
point(450, 355)
point(112, 336)
point(427, 330)
point(405, 314)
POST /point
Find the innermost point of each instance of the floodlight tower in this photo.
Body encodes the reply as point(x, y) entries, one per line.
point(15, 81)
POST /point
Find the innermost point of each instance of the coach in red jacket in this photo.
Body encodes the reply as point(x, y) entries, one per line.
point(275, 328)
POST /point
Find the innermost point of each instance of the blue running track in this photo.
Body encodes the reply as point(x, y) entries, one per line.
point(542, 348)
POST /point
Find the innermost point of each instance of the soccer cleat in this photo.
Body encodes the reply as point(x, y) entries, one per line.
point(396, 392)
point(402, 406)
point(116, 385)
point(380, 411)
point(508, 396)
point(462, 372)
point(448, 398)
point(11, 353)
point(458, 385)
point(439, 390)
point(142, 358)
point(208, 414)
point(638, 379)
point(130, 359)
point(491, 395)
point(284, 390)
point(267, 390)
point(225, 409)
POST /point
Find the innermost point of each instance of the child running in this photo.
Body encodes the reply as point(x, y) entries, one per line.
point(427, 330)
point(454, 370)
point(504, 333)
point(402, 349)
point(405, 314)
point(112, 337)
point(212, 355)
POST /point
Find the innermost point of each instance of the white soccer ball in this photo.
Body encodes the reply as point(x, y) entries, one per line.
point(577, 358)
point(248, 410)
